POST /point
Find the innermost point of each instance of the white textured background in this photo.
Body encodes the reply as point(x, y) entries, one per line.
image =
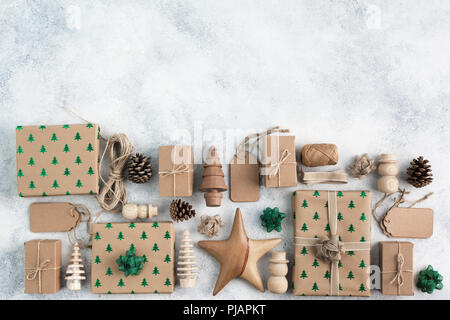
point(370, 76)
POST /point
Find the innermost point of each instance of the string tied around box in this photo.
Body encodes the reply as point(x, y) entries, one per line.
point(398, 277)
point(176, 169)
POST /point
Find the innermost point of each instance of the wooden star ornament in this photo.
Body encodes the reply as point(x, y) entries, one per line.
point(238, 255)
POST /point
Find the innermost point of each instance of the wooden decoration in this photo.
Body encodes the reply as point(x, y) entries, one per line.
point(186, 263)
point(133, 211)
point(213, 182)
point(278, 269)
point(75, 270)
point(388, 170)
point(238, 255)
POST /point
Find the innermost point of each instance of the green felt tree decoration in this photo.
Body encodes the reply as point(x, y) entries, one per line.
point(429, 280)
point(43, 149)
point(271, 219)
point(67, 172)
point(304, 227)
point(130, 263)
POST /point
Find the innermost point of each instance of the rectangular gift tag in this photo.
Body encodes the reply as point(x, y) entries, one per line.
point(408, 223)
point(244, 178)
point(53, 216)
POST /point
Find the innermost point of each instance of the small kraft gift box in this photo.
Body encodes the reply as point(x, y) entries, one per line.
point(57, 160)
point(176, 171)
point(332, 243)
point(42, 266)
point(133, 257)
point(396, 264)
point(279, 162)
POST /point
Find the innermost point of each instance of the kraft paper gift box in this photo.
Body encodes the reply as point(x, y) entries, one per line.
point(176, 171)
point(57, 160)
point(280, 166)
point(155, 241)
point(332, 243)
point(42, 266)
point(396, 264)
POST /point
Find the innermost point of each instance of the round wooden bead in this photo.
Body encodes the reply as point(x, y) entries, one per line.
point(130, 211)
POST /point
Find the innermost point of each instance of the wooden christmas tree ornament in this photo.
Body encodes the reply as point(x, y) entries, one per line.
point(388, 170)
point(238, 255)
point(278, 269)
point(186, 263)
point(213, 182)
point(133, 211)
point(75, 270)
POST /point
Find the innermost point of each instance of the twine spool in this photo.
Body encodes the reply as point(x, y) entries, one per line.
point(315, 155)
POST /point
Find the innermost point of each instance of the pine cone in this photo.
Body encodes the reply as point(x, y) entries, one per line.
point(420, 173)
point(139, 168)
point(181, 210)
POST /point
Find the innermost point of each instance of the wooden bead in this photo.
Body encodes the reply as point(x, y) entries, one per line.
point(75, 270)
point(133, 211)
point(278, 269)
point(388, 170)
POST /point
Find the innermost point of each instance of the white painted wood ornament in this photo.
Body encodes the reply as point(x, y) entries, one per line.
point(278, 269)
point(388, 171)
point(186, 270)
point(132, 211)
point(75, 270)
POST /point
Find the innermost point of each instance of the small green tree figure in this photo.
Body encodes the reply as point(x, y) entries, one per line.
point(97, 236)
point(303, 275)
point(155, 271)
point(20, 173)
point(144, 235)
point(362, 265)
point(31, 162)
point(43, 173)
point(351, 205)
point(109, 272)
point(42, 127)
point(67, 172)
point(339, 194)
point(108, 248)
point(145, 258)
point(350, 275)
point(315, 263)
point(89, 125)
point(167, 235)
point(340, 217)
point(66, 126)
point(155, 225)
point(90, 148)
point(90, 171)
point(155, 247)
point(54, 161)
point(304, 251)
point(66, 148)
point(316, 216)
point(78, 160)
point(363, 194)
point(304, 227)
point(327, 227)
point(351, 228)
point(315, 287)
point(363, 217)
point(54, 137)
point(32, 185)
point(79, 184)
point(77, 137)
point(108, 226)
point(97, 260)
point(167, 283)
point(30, 138)
point(316, 194)
point(132, 225)
point(120, 236)
point(327, 275)
point(362, 288)
point(55, 184)
point(43, 149)
point(362, 239)
point(19, 149)
point(144, 282)
point(121, 283)
point(305, 204)
point(97, 283)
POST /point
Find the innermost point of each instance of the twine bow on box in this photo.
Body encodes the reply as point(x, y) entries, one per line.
point(398, 277)
point(176, 169)
point(330, 249)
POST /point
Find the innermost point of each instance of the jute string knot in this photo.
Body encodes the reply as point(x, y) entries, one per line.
point(275, 167)
point(181, 168)
point(399, 275)
point(329, 250)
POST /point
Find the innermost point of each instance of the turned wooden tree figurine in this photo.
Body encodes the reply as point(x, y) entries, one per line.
point(213, 182)
point(186, 263)
point(75, 270)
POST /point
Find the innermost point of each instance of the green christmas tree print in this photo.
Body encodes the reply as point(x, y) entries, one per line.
point(97, 283)
point(66, 148)
point(167, 258)
point(97, 260)
point(351, 253)
point(316, 216)
point(340, 288)
point(362, 265)
point(363, 194)
point(67, 172)
point(19, 128)
point(144, 282)
point(155, 225)
point(327, 275)
point(340, 217)
point(30, 138)
point(43, 173)
point(31, 162)
point(155, 247)
point(121, 283)
point(340, 264)
point(79, 184)
point(167, 283)
point(97, 236)
point(304, 227)
point(32, 185)
point(304, 251)
point(363, 217)
point(108, 248)
point(351, 228)
point(305, 204)
point(54, 137)
point(42, 127)
point(78, 160)
point(44, 194)
point(144, 235)
point(55, 184)
point(77, 137)
point(90, 171)
point(362, 239)
point(362, 288)
point(20, 173)
point(327, 227)
point(109, 272)
point(66, 126)
point(315, 263)
point(350, 275)
point(155, 271)
point(167, 235)
point(132, 225)
point(108, 226)
point(339, 194)
point(132, 247)
point(89, 125)
point(326, 204)
point(316, 194)
point(145, 258)
point(303, 275)
point(315, 287)
point(90, 148)
point(19, 149)
point(120, 236)
point(54, 161)
point(351, 205)
point(43, 149)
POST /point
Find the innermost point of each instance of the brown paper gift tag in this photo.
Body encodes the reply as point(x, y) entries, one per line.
point(408, 223)
point(286, 176)
point(53, 217)
point(244, 178)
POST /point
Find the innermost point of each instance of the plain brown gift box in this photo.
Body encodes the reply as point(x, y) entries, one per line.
point(287, 173)
point(51, 278)
point(182, 183)
point(388, 266)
